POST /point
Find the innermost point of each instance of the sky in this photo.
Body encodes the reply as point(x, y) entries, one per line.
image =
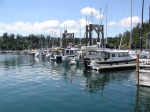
point(52, 17)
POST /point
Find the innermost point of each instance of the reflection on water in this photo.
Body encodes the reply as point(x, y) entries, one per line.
point(64, 86)
point(143, 99)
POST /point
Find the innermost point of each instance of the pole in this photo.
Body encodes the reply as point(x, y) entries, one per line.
point(106, 23)
point(92, 29)
point(137, 69)
point(100, 17)
point(141, 34)
point(131, 28)
point(149, 18)
point(86, 32)
point(60, 40)
point(80, 30)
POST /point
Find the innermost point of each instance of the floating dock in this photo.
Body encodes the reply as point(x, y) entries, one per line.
point(143, 73)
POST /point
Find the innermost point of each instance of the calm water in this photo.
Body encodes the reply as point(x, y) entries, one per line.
point(32, 85)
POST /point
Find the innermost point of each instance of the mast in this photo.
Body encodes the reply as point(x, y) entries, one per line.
point(131, 28)
point(149, 18)
point(141, 32)
point(60, 40)
point(80, 30)
point(106, 23)
point(92, 24)
point(100, 24)
point(100, 17)
point(52, 39)
point(86, 32)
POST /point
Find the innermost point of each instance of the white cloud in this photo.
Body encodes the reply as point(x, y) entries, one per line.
point(2, 32)
point(82, 23)
point(26, 27)
point(46, 25)
point(69, 24)
point(89, 10)
point(113, 23)
point(99, 16)
point(127, 21)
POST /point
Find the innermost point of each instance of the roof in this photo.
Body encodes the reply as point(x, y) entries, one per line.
point(113, 51)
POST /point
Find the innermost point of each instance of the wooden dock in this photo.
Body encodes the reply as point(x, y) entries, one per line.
point(142, 73)
point(10, 52)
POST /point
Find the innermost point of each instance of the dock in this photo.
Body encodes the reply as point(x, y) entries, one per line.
point(142, 73)
point(10, 52)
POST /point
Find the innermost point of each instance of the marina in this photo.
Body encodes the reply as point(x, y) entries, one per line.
point(35, 84)
point(52, 61)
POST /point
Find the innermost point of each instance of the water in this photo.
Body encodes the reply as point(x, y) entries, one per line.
point(28, 84)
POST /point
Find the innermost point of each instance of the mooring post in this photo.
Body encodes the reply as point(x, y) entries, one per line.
point(137, 68)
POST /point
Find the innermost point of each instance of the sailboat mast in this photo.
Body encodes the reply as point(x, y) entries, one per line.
point(141, 33)
point(80, 30)
point(106, 23)
point(131, 28)
point(60, 40)
point(100, 24)
point(100, 17)
point(149, 18)
point(92, 24)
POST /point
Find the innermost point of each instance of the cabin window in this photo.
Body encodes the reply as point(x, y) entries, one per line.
point(71, 51)
point(120, 54)
point(67, 51)
point(109, 55)
point(126, 54)
point(123, 55)
point(112, 55)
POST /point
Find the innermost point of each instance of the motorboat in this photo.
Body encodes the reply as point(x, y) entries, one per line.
point(111, 59)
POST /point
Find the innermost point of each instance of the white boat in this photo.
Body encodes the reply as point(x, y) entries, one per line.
point(69, 53)
point(56, 55)
point(40, 53)
point(84, 53)
point(142, 55)
point(111, 59)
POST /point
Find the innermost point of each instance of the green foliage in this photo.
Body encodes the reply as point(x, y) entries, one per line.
point(18, 42)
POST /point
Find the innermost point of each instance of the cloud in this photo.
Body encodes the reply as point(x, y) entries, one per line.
point(113, 23)
point(30, 28)
point(89, 10)
point(2, 31)
point(127, 21)
point(82, 22)
point(46, 25)
point(69, 24)
point(99, 16)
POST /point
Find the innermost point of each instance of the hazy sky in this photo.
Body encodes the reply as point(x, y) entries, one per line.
point(50, 16)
